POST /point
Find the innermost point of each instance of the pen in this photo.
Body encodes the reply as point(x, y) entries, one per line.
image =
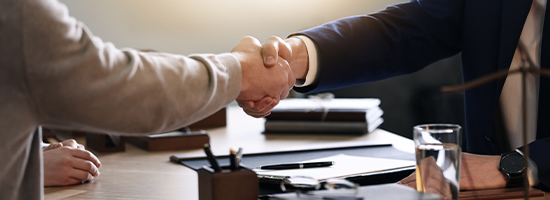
point(297, 165)
point(211, 158)
point(232, 159)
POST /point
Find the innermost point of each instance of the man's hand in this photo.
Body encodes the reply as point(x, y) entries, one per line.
point(477, 172)
point(295, 52)
point(434, 180)
point(69, 165)
point(480, 172)
point(300, 57)
point(67, 143)
point(263, 85)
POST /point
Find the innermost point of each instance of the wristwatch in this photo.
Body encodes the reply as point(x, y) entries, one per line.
point(512, 166)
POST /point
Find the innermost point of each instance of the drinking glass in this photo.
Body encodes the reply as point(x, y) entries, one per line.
point(438, 144)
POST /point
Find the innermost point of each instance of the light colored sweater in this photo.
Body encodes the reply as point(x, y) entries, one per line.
point(54, 72)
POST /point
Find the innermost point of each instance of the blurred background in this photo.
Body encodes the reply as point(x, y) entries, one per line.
point(216, 26)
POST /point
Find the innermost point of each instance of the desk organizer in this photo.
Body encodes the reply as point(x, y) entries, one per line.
point(239, 184)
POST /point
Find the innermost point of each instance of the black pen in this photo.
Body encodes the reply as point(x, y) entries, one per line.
point(297, 165)
point(232, 159)
point(211, 158)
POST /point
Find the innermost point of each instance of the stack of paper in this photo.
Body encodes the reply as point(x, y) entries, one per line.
point(340, 115)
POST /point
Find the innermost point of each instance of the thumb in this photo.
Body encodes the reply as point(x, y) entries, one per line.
point(274, 47)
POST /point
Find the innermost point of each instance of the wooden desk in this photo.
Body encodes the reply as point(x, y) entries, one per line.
point(138, 174)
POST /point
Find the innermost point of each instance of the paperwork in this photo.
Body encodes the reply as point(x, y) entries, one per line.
point(344, 166)
point(337, 104)
point(384, 191)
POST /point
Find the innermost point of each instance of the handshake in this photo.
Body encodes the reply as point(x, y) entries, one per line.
point(269, 72)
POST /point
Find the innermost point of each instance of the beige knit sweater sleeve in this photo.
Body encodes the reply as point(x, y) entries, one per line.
point(76, 80)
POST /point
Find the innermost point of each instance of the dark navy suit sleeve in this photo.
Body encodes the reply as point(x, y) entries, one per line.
point(401, 39)
point(539, 152)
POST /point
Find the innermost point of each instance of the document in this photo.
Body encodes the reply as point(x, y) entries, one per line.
point(344, 166)
point(384, 191)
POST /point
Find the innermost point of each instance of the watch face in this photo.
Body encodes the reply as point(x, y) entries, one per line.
point(513, 163)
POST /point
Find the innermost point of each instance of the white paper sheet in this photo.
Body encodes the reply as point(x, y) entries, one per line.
point(339, 103)
point(344, 166)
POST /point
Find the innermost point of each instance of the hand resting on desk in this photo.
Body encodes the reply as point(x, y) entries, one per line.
point(477, 172)
point(435, 181)
point(68, 163)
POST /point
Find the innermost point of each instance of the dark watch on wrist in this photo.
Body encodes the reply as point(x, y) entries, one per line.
point(512, 166)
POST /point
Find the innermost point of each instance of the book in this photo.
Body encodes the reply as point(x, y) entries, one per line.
point(331, 104)
point(367, 115)
point(339, 109)
point(342, 127)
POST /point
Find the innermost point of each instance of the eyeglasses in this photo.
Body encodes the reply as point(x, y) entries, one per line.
point(310, 188)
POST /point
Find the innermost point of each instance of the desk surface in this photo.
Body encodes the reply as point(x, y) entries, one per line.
point(139, 174)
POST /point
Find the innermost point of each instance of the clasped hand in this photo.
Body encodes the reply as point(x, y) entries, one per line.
point(68, 163)
point(266, 74)
point(477, 172)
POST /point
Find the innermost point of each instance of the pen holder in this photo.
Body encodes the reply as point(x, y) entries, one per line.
point(239, 184)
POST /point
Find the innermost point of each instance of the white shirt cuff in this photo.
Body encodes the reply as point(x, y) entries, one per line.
point(312, 56)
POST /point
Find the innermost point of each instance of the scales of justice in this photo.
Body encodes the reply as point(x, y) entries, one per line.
point(523, 69)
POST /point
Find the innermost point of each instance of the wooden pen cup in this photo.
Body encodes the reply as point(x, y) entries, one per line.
point(227, 184)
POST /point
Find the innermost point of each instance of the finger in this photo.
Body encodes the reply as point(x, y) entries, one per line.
point(262, 107)
point(408, 184)
point(434, 179)
point(430, 170)
point(52, 146)
point(245, 103)
point(434, 186)
point(409, 179)
point(247, 44)
point(274, 47)
point(86, 155)
point(257, 114)
point(283, 48)
point(80, 175)
point(70, 143)
point(265, 104)
point(291, 78)
point(87, 166)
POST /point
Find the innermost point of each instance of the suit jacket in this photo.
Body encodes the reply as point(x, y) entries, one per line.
point(406, 37)
point(54, 72)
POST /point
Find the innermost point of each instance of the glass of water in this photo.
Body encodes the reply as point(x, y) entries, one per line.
point(438, 144)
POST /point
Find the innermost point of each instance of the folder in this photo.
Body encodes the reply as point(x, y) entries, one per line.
point(257, 159)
